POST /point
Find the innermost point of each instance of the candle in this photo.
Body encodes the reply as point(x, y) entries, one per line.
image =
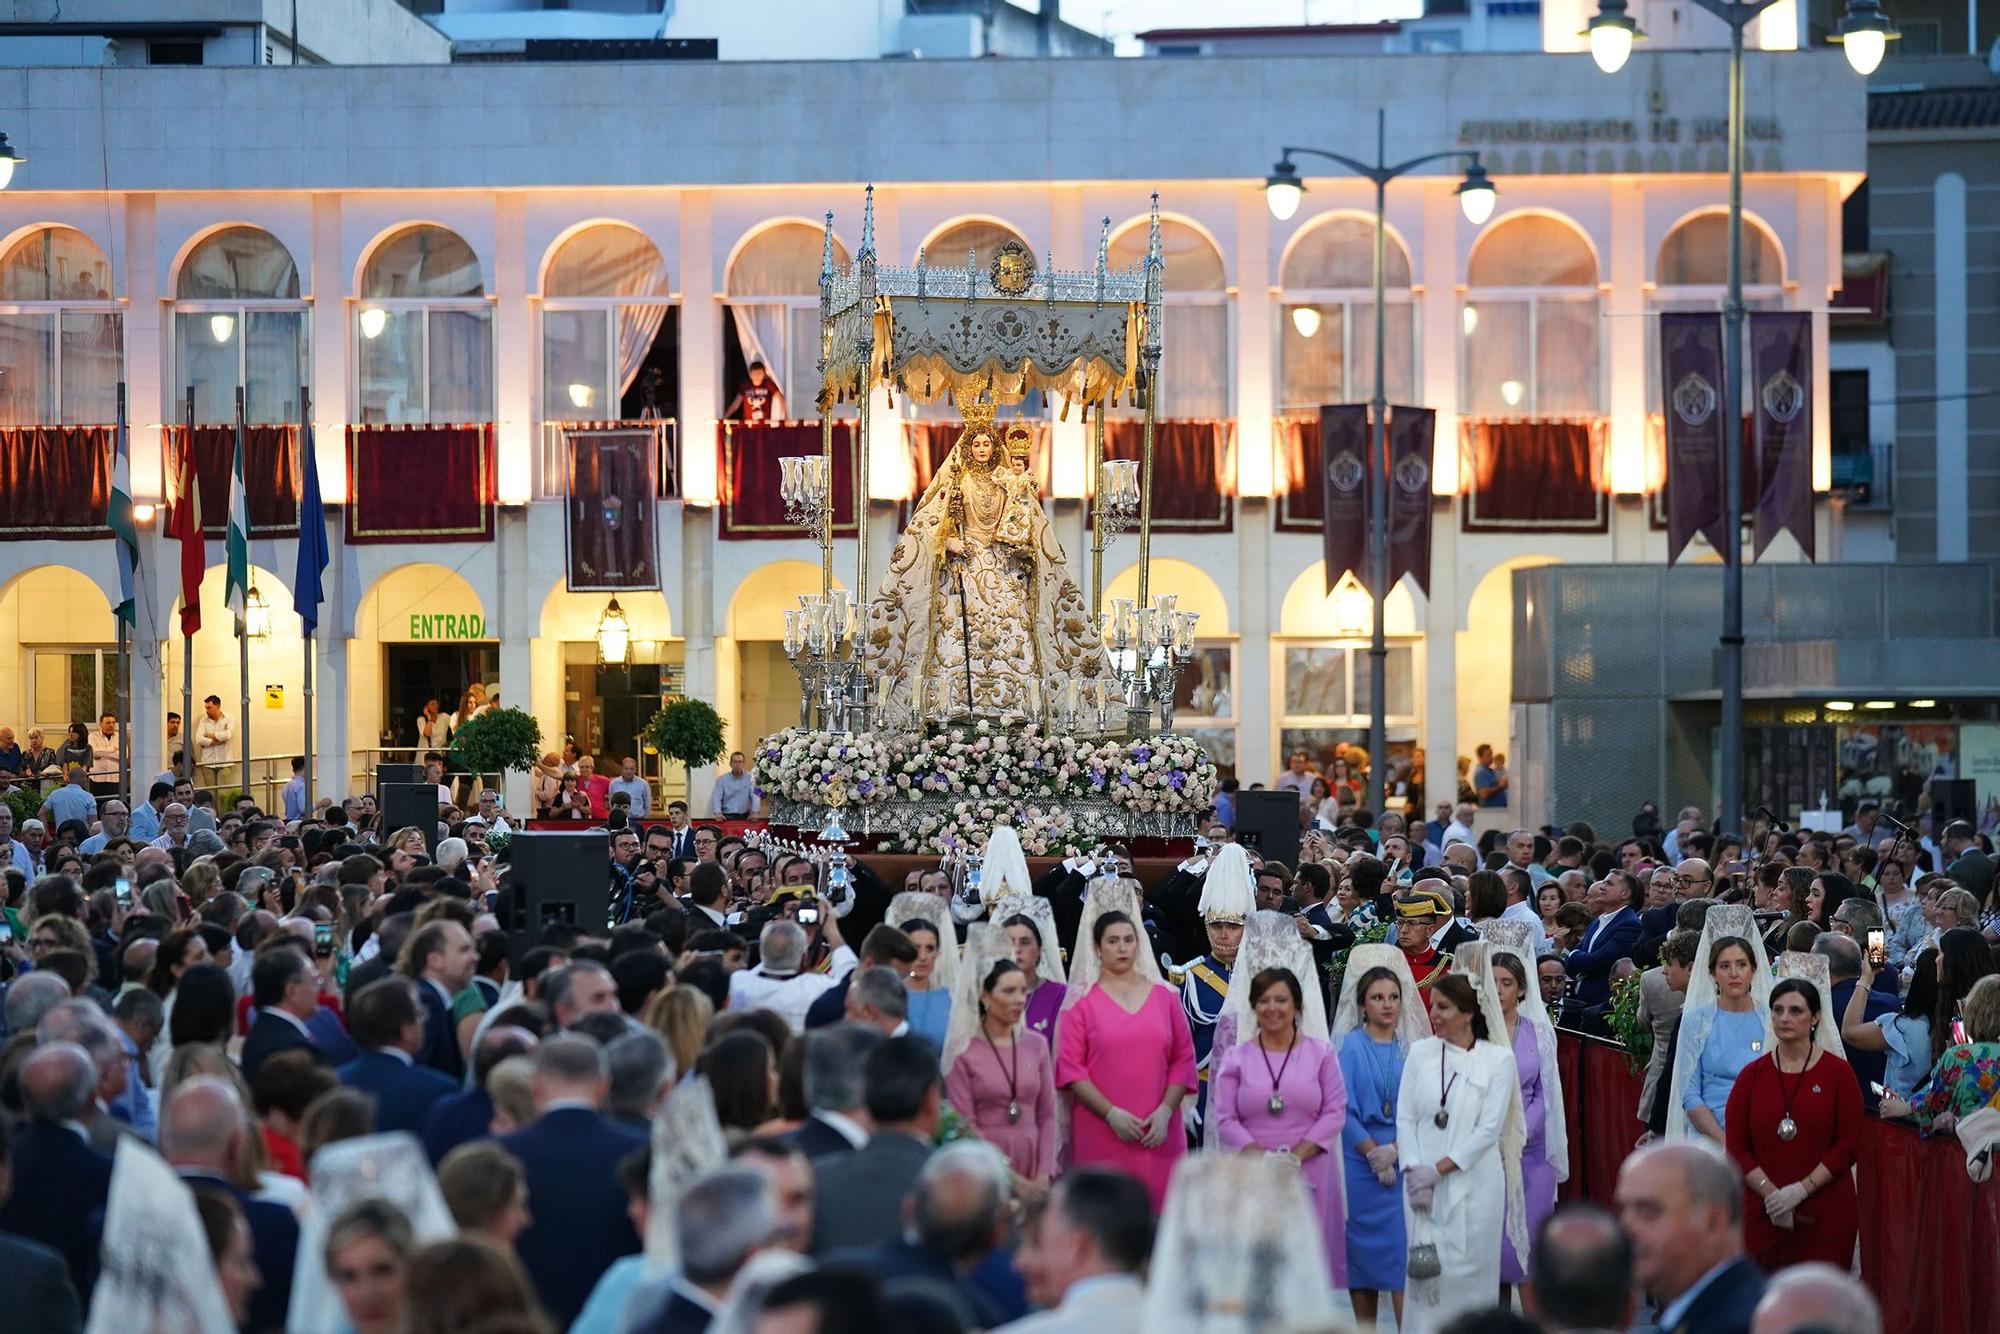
point(917, 698)
point(1034, 698)
point(1073, 688)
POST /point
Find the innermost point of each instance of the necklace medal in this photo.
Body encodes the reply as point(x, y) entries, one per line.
point(1442, 1119)
point(1013, 1112)
point(1276, 1104)
point(1788, 1129)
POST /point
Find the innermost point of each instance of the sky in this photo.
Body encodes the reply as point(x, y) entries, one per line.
point(1121, 18)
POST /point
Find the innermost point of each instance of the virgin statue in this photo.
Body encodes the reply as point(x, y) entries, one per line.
point(978, 615)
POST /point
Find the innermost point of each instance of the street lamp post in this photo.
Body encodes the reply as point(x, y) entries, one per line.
point(1863, 33)
point(1282, 191)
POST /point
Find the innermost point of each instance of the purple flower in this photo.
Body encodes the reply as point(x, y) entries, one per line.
point(1176, 780)
point(1142, 754)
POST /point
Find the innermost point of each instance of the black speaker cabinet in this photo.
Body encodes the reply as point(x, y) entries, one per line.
point(1269, 822)
point(406, 804)
point(398, 773)
point(1953, 799)
point(556, 876)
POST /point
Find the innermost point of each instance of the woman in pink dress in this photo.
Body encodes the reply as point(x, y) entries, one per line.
point(1282, 1092)
point(1003, 1082)
point(1127, 1059)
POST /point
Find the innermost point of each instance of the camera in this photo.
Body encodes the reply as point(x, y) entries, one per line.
point(808, 916)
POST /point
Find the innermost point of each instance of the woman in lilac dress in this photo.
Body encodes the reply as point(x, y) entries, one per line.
point(1545, 1156)
point(1281, 1092)
point(1046, 986)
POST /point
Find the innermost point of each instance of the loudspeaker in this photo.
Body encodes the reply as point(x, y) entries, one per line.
point(555, 876)
point(1269, 822)
point(1953, 799)
point(406, 804)
point(398, 773)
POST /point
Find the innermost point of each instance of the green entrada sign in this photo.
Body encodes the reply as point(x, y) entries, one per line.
point(447, 626)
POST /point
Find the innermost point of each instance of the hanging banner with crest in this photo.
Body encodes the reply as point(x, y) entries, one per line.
point(1691, 378)
point(1343, 438)
point(610, 529)
point(1411, 431)
point(1781, 377)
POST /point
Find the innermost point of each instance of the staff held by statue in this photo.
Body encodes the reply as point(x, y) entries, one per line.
point(956, 551)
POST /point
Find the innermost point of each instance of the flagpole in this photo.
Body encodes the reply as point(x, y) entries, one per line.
point(187, 640)
point(123, 783)
point(237, 478)
point(319, 517)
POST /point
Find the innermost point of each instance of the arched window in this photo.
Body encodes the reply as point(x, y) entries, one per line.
point(1194, 362)
point(606, 302)
point(773, 298)
point(982, 238)
point(238, 323)
point(1693, 275)
point(62, 336)
point(423, 331)
point(1327, 337)
point(1530, 322)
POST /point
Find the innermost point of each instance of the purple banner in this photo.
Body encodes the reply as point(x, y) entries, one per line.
point(1691, 383)
point(610, 530)
point(1411, 433)
point(1781, 375)
point(1343, 441)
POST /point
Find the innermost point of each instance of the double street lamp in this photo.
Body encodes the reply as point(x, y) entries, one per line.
point(1864, 33)
point(1283, 191)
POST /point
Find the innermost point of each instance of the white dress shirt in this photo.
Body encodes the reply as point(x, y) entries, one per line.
point(790, 994)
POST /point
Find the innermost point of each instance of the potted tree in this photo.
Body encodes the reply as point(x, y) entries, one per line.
point(690, 731)
point(499, 741)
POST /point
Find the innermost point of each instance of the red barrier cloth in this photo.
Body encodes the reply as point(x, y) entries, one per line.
point(1534, 476)
point(751, 508)
point(56, 481)
point(270, 475)
point(1928, 1234)
point(1194, 471)
point(1610, 1123)
point(418, 484)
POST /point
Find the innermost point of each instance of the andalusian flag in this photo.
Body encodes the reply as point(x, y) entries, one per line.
point(238, 583)
point(122, 526)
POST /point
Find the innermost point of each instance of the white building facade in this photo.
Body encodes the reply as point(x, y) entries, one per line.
point(478, 244)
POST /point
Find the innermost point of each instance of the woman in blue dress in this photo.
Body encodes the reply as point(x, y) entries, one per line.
point(929, 987)
point(1722, 1023)
point(1374, 1027)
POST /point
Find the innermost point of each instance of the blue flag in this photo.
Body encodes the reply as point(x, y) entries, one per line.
point(313, 555)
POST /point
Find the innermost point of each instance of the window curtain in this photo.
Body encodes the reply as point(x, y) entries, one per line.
point(276, 364)
point(638, 326)
point(57, 482)
point(1194, 471)
point(461, 366)
point(760, 333)
point(27, 351)
point(93, 364)
point(419, 484)
point(1533, 476)
point(1301, 502)
point(1194, 365)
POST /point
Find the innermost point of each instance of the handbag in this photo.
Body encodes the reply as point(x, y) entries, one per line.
point(1424, 1261)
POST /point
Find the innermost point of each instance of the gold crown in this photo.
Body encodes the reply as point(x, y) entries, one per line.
point(1020, 441)
point(977, 415)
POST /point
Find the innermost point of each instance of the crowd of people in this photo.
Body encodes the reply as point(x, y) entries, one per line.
point(762, 1098)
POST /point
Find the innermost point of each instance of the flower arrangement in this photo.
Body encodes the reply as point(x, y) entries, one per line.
point(981, 774)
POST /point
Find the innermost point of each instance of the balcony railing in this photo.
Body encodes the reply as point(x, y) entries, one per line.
point(553, 460)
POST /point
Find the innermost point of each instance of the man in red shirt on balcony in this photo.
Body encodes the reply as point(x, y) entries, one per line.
point(760, 399)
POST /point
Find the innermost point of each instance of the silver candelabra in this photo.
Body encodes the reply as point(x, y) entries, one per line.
point(1150, 648)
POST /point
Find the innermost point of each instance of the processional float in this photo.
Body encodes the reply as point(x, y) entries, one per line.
point(975, 685)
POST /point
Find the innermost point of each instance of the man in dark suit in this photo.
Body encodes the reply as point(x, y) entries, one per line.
point(442, 960)
point(390, 935)
point(285, 988)
point(202, 1127)
point(570, 1157)
point(1682, 1206)
point(467, 1115)
point(1606, 940)
point(59, 1184)
point(723, 1219)
point(858, 1197)
point(837, 1117)
point(884, 947)
point(39, 1293)
point(956, 1217)
point(389, 1027)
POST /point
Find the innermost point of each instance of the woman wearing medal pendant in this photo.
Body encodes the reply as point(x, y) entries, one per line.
point(1795, 1120)
point(1375, 1028)
point(1003, 1080)
point(1281, 1092)
point(1459, 1089)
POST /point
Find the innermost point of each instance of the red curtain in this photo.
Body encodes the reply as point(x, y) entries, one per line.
point(270, 475)
point(55, 482)
point(1301, 500)
point(418, 484)
point(1534, 476)
point(751, 508)
point(1928, 1234)
point(1194, 471)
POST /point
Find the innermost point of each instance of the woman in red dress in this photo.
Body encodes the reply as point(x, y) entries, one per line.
point(1794, 1124)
